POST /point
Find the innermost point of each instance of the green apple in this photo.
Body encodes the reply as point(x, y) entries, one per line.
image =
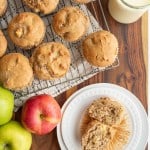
point(6, 105)
point(14, 137)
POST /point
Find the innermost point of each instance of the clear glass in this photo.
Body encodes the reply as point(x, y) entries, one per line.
point(125, 11)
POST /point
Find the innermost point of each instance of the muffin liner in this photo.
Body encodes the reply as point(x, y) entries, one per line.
point(79, 70)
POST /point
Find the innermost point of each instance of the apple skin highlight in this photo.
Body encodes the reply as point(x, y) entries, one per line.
point(6, 105)
point(41, 114)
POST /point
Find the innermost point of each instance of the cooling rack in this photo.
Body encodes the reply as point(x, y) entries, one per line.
point(80, 69)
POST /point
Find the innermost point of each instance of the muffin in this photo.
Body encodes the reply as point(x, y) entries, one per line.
point(3, 7)
point(82, 1)
point(26, 30)
point(100, 48)
point(106, 111)
point(97, 136)
point(15, 71)
point(70, 23)
point(43, 6)
point(3, 44)
point(104, 137)
point(50, 61)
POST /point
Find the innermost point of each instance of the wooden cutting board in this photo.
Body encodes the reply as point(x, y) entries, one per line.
point(131, 74)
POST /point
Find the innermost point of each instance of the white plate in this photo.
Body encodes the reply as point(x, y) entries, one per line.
point(68, 131)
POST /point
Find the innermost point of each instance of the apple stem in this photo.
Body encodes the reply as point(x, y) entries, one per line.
point(6, 147)
point(48, 119)
point(41, 116)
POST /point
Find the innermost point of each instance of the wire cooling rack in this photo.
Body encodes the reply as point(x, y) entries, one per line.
point(80, 69)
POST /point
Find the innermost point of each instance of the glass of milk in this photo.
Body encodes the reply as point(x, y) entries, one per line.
point(127, 11)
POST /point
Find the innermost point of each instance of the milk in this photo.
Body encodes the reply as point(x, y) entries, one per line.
point(137, 3)
point(129, 12)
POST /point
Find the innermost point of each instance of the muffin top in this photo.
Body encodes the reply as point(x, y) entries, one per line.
point(50, 60)
point(3, 7)
point(3, 44)
point(70, 23)
point(100, 48)
point(15, 71)
point(26, 30)
point(43, 6)
point(106, 111)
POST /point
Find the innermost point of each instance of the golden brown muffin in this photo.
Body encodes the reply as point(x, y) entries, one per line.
point(82, 1)
point(3, 7)
point(106, 111)
point(15, 71)
point(50, 61)
point(26, 30)
point(70, 23)
point(43, 6)
point(3, 44)
point(100, 48)
point(97, 136)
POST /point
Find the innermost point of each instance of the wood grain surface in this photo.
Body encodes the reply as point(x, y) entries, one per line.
point(131, 73)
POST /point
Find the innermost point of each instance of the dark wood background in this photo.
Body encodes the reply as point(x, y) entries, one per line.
point(131, 73)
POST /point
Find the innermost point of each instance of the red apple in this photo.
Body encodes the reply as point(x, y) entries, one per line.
point(41, 114)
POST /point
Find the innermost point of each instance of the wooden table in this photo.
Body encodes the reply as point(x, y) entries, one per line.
point(131, 74)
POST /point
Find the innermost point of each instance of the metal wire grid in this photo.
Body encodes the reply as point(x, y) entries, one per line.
point(79, 67)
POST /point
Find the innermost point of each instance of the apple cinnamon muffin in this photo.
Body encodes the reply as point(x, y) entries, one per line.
point(43, 6)
point(3, 7)
point(97, 136)
point(50, 61)
point(100, 48)
point(3, 44)
point(106, 111)
point(15, 71)
point(70, 23)
point(26, 30)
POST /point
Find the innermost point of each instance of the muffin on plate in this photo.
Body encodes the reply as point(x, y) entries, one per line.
point(82, 1)
point(15, 71)
point(3, 7)
point(3, 44)
point(100, 48)
point(106, 111)
point(97, 136)
point(43, 6)
point(105, 126)
point(70, 23)
point(26, 30)
point(104, 137)
point(50, 61)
